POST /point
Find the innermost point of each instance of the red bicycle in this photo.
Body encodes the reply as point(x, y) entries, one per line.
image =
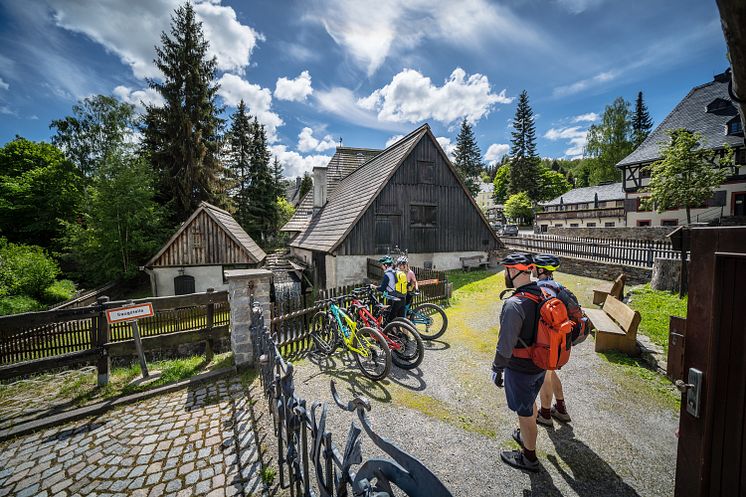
point(407, 348)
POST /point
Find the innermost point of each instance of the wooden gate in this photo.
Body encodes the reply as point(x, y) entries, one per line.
point(711, 457)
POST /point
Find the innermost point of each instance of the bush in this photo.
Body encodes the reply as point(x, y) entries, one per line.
point(25, 270)
point(59, 291)
point(18, 303)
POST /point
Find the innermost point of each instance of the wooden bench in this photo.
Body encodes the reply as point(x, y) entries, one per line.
point(473, 261)
point(615, 289)
point(616, 326)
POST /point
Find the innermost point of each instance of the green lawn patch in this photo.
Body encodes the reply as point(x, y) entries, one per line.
point(655, 308)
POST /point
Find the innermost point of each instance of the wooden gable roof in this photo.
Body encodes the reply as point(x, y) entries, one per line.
point(209, 237)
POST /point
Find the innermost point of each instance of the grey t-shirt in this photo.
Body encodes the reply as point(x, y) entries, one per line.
point(517, 320)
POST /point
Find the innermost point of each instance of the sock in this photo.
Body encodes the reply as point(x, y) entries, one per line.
point(530, 455)
point(545, 412)
point(560, 405)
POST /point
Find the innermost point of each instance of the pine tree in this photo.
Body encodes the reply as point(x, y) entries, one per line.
point(641, 122)
point(305, 184)
point(277, 178)
point(182, 137)
point(468, 158)
point(240, 142)
point(262, 201)
point(524, 163)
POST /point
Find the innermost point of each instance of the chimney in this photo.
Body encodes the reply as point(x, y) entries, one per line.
point(298, 181)
point(319, 187)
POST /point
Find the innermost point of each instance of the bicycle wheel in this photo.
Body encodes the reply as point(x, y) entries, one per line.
point(375, 362)
point(429, 319)
point(323, 333)
point(407, 349)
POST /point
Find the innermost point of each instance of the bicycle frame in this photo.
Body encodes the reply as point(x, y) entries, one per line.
point(374, 322)
point(349, 332)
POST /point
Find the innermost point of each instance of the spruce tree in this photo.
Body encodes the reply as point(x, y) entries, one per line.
point(240, 147)
point(641, 122)
point(182, 137)
point(524, 163)
point(306, 184)
point(468, 158)
point(262, 201)
point(277, 178)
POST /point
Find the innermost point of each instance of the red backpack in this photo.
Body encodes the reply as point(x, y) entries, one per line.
point(553, 339)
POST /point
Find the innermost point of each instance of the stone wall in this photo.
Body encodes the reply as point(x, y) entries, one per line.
point(628, 233)
point(666, 275)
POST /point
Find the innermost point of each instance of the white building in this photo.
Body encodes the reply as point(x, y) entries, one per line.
point(590, 207)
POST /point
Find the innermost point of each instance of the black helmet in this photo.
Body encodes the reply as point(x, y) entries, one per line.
point(518, 260)
point(547, 261)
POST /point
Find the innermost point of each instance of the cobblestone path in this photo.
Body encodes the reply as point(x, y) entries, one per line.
point(197, 441)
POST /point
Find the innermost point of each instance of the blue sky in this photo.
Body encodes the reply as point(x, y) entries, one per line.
point(314, 71)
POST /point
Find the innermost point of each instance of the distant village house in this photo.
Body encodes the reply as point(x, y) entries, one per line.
point(591, 207)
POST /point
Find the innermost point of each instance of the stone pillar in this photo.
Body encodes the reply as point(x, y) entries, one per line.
point(246, 286)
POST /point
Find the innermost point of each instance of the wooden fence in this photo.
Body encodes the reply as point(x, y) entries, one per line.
point(638, 253)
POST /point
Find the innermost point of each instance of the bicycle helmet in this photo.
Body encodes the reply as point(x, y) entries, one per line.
point(387, 260)
point(518, 260)
point(402, 260)
point(546, 261)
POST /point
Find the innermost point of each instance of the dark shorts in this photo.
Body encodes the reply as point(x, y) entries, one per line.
point(521, 390)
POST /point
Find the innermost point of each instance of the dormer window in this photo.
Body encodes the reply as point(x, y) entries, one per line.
point(718, 104)
point(734, 126)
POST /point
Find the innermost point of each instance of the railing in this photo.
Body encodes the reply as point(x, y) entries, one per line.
point(710, 214)
point(639, 253)
point(580, 214)
point(310, 464)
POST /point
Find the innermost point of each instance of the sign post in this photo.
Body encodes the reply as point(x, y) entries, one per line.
point(132, 313)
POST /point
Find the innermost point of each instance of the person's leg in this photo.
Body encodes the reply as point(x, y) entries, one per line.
point(559, 411)
point(559, 394)
point(529, 431)
point(521, 391)
point(545, 398)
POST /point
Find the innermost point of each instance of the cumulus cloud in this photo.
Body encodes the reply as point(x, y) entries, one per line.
point(341, 102)
point(296, 164)
point(138, 98)
point(132, 29)
point(307, 142)
point(258, 100)
point(574, 135)
point(3, 85)
point(495, 152)
point(584, 84)
point(448, 147)
point(412, 97)
point(296, 89)
point(370, 32)
point(393, 140)
point(590, 117)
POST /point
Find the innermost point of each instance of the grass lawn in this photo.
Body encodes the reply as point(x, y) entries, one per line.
point(656, 307)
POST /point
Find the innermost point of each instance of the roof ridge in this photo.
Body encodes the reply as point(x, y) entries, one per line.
point(208, 205)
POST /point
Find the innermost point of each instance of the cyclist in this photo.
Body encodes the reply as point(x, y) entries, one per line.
point(544, 267)
point(389, 288)
point(412, 285)
point(522, 378)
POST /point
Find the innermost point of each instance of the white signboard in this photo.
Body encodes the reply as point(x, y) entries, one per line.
point(129, 313)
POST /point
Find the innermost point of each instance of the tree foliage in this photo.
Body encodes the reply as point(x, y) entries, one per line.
point(182, 137)
point(641, 122)
point(239, 140)
point(467, 158)
point(609, 142)
point(518, 207)
point(502, 184)
point(552, 184)
point(686, 176)
point(38, 187)
point(25, 270)
point(524, 163)
point(306, 184)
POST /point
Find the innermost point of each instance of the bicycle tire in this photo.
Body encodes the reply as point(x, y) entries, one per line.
point(376, 341)
point(413, 351)
point(424, 327)
point(323, 333)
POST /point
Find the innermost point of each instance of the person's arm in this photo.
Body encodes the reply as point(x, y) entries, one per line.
point(382, 287)
point(511, 322)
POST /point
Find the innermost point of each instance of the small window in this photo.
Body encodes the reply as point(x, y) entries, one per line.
point(558, 225)
point(544, 228)
point(718, 104)
point(591, 225)
point(609, 224)
point(669, 222)
point(643, 222)
point(741, 156)
point(183, 284)
point(645, 172)
point(423, 216)
point(426, 171)
point(573, 225)
point(734, 128)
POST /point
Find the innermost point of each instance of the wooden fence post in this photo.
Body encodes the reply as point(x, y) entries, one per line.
point(209, 343)
point(103, 365)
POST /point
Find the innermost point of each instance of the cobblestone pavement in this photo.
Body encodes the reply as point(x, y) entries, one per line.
point(197, 441)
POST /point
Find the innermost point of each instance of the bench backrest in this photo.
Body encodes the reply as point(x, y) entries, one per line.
point(617, 289)
point(474, 258)
point(627, 318)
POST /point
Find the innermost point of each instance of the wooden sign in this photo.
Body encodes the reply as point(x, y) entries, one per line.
point(129, 313)
point(428, 282)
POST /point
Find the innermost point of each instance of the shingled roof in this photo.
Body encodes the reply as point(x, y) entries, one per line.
point(353, 195)
point(691, 113)
point(612, 191)
point(344, 161)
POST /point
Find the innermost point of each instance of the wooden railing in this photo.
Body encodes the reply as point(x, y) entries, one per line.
point(580, 214)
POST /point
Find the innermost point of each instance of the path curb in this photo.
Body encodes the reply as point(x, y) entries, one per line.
point(102, 407)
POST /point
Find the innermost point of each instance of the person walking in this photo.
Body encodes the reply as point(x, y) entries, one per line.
point(520, 377)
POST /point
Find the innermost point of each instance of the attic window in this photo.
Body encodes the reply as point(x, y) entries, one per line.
point(423, 215)
point(734, 127)
point(426, 171)
point(718, 104)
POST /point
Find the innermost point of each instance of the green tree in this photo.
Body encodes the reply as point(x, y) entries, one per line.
point(285, 210)
point(305, 184)
point(240, 147)
point(278, 179)
point(524, 163)
point(686, 175)
point(25, 270)
point(38, 187)
point(519, 207)
point(99, 124)
point(467, 158)
point(641, 122)
point(552, 184)
point(502, 184)
point(182, 138)
point(261, 217)
point(609, 142)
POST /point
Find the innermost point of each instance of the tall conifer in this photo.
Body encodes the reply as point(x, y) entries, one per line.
point(641, 122)
point(262, 203)
point(240, 147)
point(524, 163)
point(468, 158)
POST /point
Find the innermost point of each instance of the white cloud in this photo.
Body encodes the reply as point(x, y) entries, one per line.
point(296, 164)
point(590, 117)
point(341, 102)
point(584, 84)
point(393, 140)
point(371, 32)
point(448, 147)
point(5, 110)
point(495, 152)
point(138, 98)
point(575, 136)
point(296, 89)
point(258, 100)
point(3, 85)
point(412, 97)
point(132, 29)
point(307, 142)
point(578, 6)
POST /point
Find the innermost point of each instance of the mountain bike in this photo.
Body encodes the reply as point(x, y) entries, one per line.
point(430, 319)
point(407, 349)
point(333, 327)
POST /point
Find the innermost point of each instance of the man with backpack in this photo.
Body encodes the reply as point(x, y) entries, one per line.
point(544, 267)
point(391, 286)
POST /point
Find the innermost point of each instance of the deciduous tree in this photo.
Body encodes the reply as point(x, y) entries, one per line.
point(609, 142)
point(519, 207)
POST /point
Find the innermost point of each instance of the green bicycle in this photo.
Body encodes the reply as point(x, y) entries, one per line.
point(332, 327)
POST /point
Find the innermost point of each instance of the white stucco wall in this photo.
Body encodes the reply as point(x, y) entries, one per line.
point(600, 222)
point(204, 277)
point(302, 255)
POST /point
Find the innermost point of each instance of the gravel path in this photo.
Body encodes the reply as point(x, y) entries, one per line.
point(448, 414)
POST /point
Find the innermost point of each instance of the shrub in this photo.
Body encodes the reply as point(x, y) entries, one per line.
point(18, 303)
point(25, 270)
point(59, 291)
